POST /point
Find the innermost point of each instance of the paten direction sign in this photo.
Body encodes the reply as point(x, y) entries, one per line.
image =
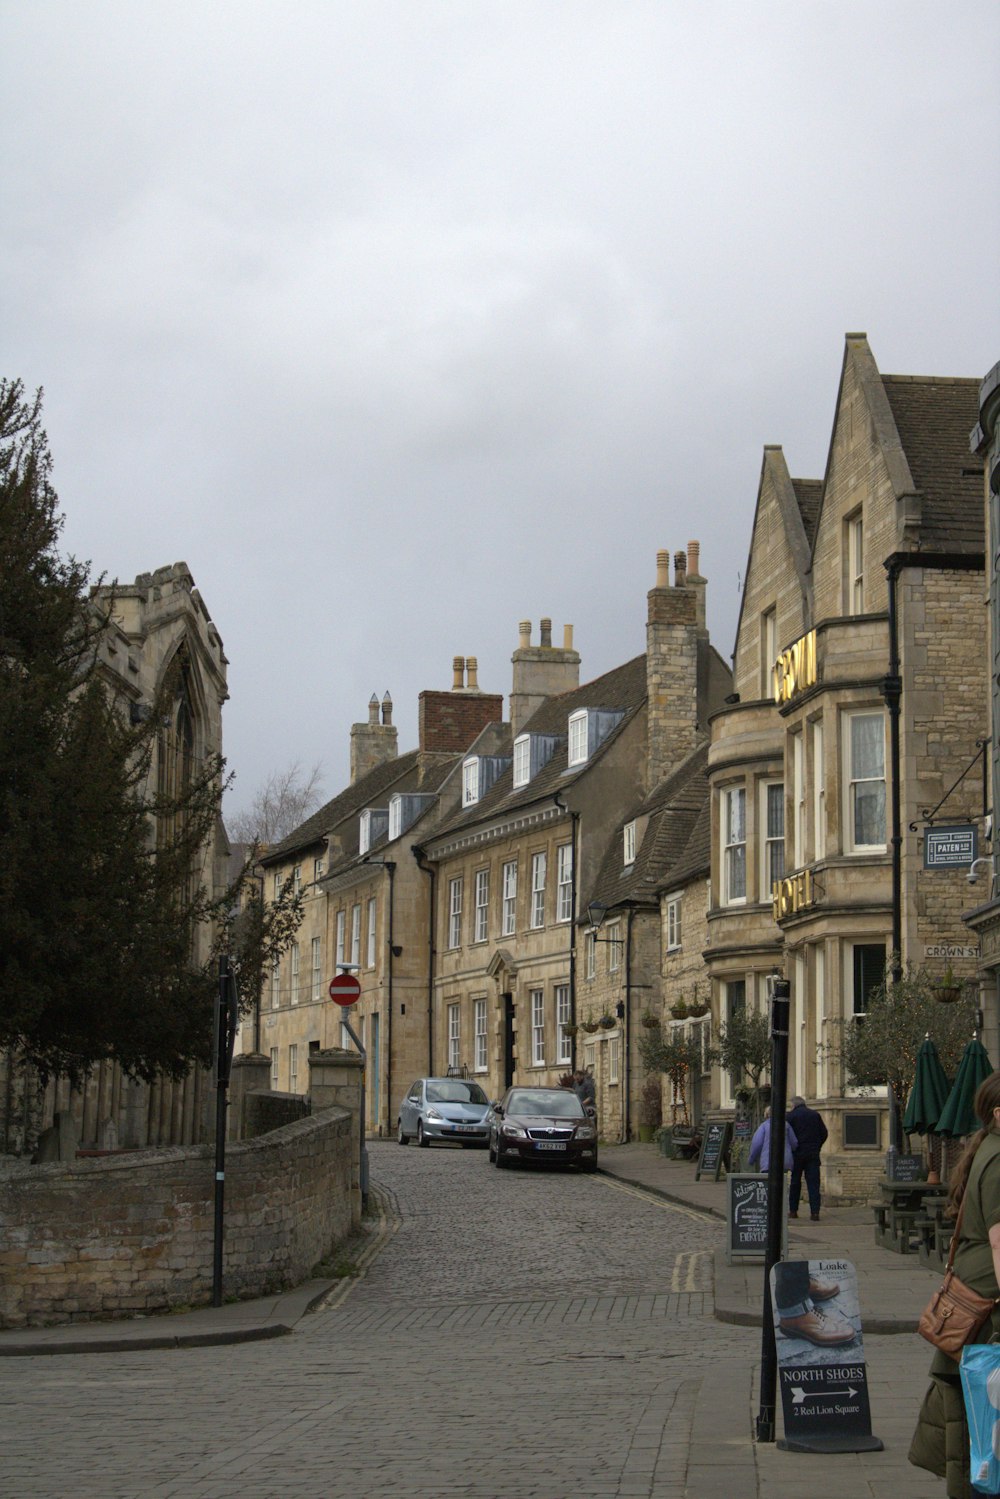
point(951, 848)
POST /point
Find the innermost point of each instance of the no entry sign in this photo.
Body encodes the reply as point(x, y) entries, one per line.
point(344, 989)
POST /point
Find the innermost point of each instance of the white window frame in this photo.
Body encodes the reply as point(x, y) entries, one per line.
point(522, 760)
point(577, 733)
point(356, 934)
point(564, 1041)
point(482, 905)
point(470, 781)
point(818, 789)
point(318, 868)
point(395, 817)
point(479, 1031)
point(768, 649)
point(564, 882)
point(771, 792)
point(733, 845)
point(372, 916)
point(590, 954)
point(297, 879)
point(798, 849)
point(614, 1060)
point(539, 869)
point(508, 924)
point(454, 1035)
point(277, 884)
point(852, 782)
point(855, 563)
point(674, 927)
point(616, 946)
point(628, 844)
point(274, 1069)
point(316, 986)
point(536, 998)
point(296, 960)
point(341, 929)
point(293, 1068)
point(276, 983)
point(455, 912)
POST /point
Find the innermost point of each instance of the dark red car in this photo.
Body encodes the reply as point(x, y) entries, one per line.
point(547, 1125)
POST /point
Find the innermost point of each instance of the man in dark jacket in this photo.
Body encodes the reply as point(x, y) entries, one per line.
point(811, 1134)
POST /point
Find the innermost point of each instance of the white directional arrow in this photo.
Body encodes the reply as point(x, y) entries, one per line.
point(799, 1394)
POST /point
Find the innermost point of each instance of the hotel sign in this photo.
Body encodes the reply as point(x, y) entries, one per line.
point(793, 894)
point(795, 669)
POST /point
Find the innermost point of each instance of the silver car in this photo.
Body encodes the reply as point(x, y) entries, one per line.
point(444, 1108)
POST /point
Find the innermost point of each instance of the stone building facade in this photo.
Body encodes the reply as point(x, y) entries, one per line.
point(159, 622)
point(862, 593)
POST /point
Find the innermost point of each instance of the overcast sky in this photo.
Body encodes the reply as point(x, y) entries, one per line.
point(401, 321)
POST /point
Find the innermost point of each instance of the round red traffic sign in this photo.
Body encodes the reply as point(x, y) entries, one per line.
point(345, 989)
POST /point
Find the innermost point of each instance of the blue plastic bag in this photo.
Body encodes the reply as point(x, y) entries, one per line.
point(980, 1369)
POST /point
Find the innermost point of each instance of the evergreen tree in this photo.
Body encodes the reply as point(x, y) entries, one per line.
point(104, 875)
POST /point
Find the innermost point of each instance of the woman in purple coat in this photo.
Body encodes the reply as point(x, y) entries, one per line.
point(760, 1145)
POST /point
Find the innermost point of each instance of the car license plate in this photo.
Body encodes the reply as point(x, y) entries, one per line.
point(550, 1145)
point(465, 1129)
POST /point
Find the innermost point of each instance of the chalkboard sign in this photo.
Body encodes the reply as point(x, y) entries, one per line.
point(746, 1217)
point(743, 1128)
point(904, 1168)
point(714, 1148)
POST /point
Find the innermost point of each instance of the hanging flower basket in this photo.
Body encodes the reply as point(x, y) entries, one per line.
point(590, 1026)
point(948, 989)
point(607, 1022)
point(650, 1021)
point(695, 1012)
point(570, 1030)
point(679, 1011)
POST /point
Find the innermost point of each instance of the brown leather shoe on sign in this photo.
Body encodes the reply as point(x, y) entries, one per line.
point(815, 1328)
point(822, 1290)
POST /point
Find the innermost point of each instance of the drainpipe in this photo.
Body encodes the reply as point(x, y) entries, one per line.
point(431, 874)
point(627, 1028)
point(575, 818)
point(390, 869)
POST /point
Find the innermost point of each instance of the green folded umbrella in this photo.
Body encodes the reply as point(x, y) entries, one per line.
point(958, 1117)
point(928, 1094)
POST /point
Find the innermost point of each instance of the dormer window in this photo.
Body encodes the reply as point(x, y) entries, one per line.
point(588, 729)
point(531, 753)
point(522, 760)
point(395, 817)
point(628, 839)
point(478, 774)
point(372, 824)
point(404, 809)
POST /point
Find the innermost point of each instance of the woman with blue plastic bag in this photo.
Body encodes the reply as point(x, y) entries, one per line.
point(941, 1441)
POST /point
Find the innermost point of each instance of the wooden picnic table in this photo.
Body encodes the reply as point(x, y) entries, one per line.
point(901, 1211)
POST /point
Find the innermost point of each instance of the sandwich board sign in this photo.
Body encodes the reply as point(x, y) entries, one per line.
point(821, 1360)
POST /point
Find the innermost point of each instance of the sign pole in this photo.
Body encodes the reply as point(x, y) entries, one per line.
point(227, 1019)
point(345, 989)
point(780, 1006)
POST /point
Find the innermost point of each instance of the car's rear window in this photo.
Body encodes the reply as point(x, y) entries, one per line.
point(555, 1101)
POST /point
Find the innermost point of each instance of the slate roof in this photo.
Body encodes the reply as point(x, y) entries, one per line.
point(672, 848)
point(623, 688)
point(412, 771)
point(933, 418)
point(809, 497)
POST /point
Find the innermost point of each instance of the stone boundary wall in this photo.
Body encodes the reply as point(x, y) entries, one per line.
point(118, 1236)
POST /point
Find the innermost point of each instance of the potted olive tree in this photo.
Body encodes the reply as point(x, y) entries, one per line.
point(650, 1107)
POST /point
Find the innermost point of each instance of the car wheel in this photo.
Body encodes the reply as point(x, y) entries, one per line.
point(492, 1153)
point(499, 1159)
point(401, 1137)
point(421, 1137)
point(589, 1166)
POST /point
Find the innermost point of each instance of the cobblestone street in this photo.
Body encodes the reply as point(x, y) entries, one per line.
point(524, 1335)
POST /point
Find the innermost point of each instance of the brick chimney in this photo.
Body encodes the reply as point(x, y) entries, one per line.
point(373, 743)
point(541, 671)
point(450, 721)
point(676, 644)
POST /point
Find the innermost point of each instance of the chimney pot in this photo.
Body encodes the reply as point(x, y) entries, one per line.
point(567, 637)
point(524, 630)
point(373, 709)
point(546, 628)
point(680, 569)
point(694, 555)
point(387, 709)
point(472, 667)
point(663, 569)
point(458, 670)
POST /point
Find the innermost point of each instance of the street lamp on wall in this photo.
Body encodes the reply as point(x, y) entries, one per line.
point(596, 912)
